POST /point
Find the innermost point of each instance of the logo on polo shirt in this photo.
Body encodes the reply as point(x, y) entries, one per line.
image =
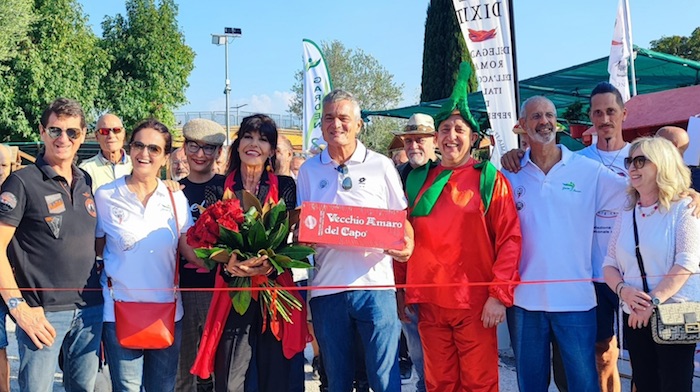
point(323, 184)
point(8, 202)
point(90, 207)
point(55, 203)
point(606, 214)
point(54, 223)
point(118, 214)
point(569, 186)
point(519, 191)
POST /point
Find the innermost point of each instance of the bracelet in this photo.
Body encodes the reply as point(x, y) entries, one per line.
point(226, 273)
point(619, 287)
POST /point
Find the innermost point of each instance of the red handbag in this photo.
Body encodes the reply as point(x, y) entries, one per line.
point(147, 325)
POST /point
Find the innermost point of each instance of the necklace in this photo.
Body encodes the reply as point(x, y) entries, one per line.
point(603, 160)
point(650, 210)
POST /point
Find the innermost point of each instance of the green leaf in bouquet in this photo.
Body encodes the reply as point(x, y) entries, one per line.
point(249, 218)
point(206, 253)
point(240, 299)
point(282, 260)
point(249, 200)
point(256, 238)
point(275, 216)
point(278, 267)
point(221, 256)
point(300, 264)
point(230, 238)
point(279, 236)
point(296, 252)
point(210, 264)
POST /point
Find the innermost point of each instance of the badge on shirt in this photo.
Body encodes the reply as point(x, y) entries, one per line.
point(54, 223)
point(8, 202)
point(118, 214)
point(90, 207)
point(55, 203)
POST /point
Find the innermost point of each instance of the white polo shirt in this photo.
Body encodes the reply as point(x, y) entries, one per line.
point(139, 254)
point(375, 184)
point(557, 215)
point(612, 204)
point(102, 171)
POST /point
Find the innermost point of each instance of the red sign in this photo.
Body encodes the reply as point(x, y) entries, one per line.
point(332, 224)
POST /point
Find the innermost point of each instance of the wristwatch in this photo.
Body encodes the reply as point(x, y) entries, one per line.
point(655, 301)
point(14, 302)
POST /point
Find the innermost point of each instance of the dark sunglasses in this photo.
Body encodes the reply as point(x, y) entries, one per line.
point(194, 147)
point(638, 161)
point(152, 148)
point(347, 181)
point(106, 131)
point(55, 132)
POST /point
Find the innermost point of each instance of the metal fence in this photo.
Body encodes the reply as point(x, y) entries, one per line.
point(288, 121)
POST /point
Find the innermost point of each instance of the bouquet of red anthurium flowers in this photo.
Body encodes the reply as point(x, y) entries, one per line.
point(251, 230)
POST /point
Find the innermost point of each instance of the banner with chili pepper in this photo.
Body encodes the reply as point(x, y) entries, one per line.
point(486, 27)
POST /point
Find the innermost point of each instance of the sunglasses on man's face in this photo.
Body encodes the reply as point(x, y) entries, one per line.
point(152, 148)
point(638, 162)
point(106, 131)
point(55, 132)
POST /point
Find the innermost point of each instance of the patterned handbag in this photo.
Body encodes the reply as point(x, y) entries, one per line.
point(675, 323)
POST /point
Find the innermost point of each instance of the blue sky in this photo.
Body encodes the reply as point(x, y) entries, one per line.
point(550, 35)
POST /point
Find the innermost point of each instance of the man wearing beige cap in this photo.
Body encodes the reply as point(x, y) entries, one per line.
point(418, 142)
point(203, 187)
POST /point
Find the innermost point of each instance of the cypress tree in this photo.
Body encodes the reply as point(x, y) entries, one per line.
point(443, 50)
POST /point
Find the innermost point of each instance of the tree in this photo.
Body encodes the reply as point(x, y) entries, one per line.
point(16, 17)
point(362, 75)
point(60, 58)
point(686, 47)
point(150, 63)
point(444, 49)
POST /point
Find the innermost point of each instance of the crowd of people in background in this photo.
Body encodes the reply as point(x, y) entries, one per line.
point(76, 239)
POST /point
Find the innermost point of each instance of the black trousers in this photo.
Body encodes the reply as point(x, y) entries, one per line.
point(658, 367)
point(248, 360)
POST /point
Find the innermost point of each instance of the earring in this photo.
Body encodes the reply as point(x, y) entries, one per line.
point(269, 165)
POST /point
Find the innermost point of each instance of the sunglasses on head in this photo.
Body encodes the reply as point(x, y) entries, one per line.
point(152, 148)
point(55, 132)
point(638, 162)
point(194, 147)
point(106, 131)
point(347, 181)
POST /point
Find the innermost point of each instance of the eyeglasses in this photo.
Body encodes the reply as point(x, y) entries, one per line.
point(55, 132)
point(152, 148)
point(418, 140)
point(347, 181)
point(194, 147)
point(638, 161)
point(106, 131)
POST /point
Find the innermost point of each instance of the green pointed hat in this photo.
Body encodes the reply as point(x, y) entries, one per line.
point(458, 100)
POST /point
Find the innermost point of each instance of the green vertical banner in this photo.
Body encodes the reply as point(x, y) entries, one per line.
point(317, 83)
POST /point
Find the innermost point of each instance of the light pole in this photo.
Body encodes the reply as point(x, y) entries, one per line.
point(238, 107)
point(222, 39)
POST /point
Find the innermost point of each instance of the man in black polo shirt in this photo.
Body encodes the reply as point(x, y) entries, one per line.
point(47, 235)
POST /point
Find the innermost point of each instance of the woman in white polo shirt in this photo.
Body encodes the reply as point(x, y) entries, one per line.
point(669, 244)
point(138, 238)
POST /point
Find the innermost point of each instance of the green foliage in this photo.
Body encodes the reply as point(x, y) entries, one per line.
point(686, 47)
point(444, 49)
point(61, 58)
point(150, 62)
point(362, 75)
point(16, 16)
point(576, 112)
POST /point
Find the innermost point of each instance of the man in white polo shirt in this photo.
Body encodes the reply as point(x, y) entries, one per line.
point(347, 173)
point(557, 194)
point(112, 161)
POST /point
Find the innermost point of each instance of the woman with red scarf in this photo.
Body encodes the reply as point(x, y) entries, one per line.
point(247, 354)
